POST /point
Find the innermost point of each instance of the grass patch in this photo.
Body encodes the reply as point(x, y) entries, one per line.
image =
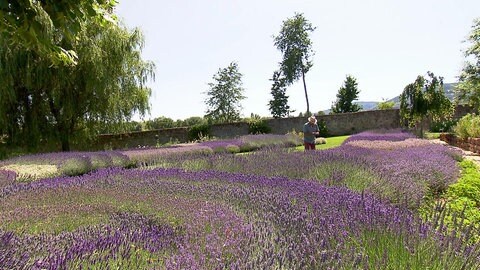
point(331, 143)
point(432, 135)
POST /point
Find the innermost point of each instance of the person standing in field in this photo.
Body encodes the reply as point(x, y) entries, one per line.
point(310, 130)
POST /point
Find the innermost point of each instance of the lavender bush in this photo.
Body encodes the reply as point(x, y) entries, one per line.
point(34, 167)
point(394, 166)
point(177, 219)
point(189, 208)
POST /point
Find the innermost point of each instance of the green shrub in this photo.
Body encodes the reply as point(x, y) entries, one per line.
point(463, 197)
point(468, 126)
point(197, 132)
point(445, 125)
point(258, 126)
point(322, 126)
point(233, 149)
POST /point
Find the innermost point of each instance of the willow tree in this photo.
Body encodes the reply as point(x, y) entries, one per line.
point(424, 99)
point(36, 25)
point(469, 87)
point(295, 44)
point(107, 85)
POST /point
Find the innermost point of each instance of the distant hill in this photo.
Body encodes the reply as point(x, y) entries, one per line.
point(372, 105)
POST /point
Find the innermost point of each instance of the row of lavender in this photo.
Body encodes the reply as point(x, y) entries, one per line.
point(269, 210)
point(33, 167)
point(178, 219)
point(394, 166)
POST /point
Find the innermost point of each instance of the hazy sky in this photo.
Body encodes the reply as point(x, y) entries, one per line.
point(384, 44)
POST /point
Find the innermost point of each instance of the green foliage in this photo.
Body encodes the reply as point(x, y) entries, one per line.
point(386, 105)
point(346, 95)
point(225, 95)
point(322, 127)
point(191, 121)
point(468, 126)
point(258, 126)
point(160, 123)
point(424, 98)
point(468, 89)
point(385, 249)
point(294, 43)
point(463, 197)
point(279, 104)
point(37, 25)
point(444, 125)
point(197, 132)
point(106, 87)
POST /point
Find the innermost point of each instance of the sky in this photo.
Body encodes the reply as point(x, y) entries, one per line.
point(384, 44)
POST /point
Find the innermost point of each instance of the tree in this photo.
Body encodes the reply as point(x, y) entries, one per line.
point(224, 96)
point(468, 88)
point(422, 99)
point(386, 105)
point(295, 44)
point(106, 86)
point(279, 104)
point(38, 25)
point(191, 121)
point(160, 123)
point(345, 97)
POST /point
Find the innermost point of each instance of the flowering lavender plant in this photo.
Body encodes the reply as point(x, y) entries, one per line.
point(177, 219)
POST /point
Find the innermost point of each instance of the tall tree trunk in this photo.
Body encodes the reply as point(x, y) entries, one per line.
point(65, 139)
point(306, 95)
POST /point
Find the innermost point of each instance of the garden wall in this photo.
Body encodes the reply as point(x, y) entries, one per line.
point(469, 144)
point(141, 138)
point(337, 124)
point(342, 124)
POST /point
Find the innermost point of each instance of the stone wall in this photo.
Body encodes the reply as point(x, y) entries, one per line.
point(141, 138)
point(469, 144)
point(337, 124)
point(229, 130)
point(342, 124)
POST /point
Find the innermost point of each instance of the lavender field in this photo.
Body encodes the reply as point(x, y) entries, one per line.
point(202, 206)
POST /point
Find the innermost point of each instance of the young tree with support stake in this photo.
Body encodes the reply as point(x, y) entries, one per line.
point(295, 44)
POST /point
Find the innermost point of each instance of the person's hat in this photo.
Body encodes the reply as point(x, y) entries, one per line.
point(312, 118)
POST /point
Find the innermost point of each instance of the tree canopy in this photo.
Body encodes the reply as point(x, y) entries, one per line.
point(225, 95)
point(386, 105)
point(39, 25)
point(296, 47)
point(424, 98)
point(107, 85)
point(469, 87)
point(346, 95)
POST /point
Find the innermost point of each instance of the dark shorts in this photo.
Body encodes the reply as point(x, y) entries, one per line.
point(309, 146)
